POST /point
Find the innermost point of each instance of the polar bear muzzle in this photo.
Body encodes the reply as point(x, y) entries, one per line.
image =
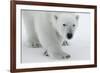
point(69, 35)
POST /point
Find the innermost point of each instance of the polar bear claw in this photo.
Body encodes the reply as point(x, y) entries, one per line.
point(36, 45)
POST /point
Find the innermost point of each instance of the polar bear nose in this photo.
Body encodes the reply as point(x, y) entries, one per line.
point(69, 35)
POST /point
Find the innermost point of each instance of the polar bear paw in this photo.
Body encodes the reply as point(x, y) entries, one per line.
point(57, 55)
point(46, 53)
point(36, 45)
point(65, 43)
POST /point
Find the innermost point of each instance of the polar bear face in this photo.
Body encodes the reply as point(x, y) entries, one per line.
point(66, 24)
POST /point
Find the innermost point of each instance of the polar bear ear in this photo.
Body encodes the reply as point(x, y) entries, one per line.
point(77, 17)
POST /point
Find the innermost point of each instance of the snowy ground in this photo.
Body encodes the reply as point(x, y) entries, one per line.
point(79, 48)
point(77, 52)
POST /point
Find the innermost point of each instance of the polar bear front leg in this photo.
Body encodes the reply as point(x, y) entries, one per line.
point(57, 54)
point(51, 43)
point(52, 46)
point(36, 45)
point(53, 49)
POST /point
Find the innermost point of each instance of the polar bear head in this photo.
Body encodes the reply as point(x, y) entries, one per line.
point(65, 24)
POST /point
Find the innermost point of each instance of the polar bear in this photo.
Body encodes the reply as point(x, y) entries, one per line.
point(50, 30)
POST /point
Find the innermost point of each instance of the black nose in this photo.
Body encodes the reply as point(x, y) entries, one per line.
point(69, 35)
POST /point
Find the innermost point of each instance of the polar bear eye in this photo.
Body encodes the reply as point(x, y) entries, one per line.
point(73, 25)
point(64, 25)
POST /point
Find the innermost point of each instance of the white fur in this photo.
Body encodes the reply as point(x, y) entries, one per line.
point(46, 29)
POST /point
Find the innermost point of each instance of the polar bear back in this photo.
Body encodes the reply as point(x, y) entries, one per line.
point(45, 30)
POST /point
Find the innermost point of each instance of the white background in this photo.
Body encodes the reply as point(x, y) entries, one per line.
point(5, 36)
